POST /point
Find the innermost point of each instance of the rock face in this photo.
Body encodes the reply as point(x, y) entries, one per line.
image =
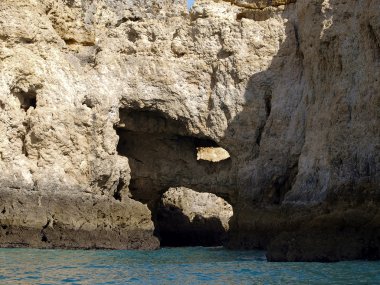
point(106, 102)
point(186, 217)
point(72, 220)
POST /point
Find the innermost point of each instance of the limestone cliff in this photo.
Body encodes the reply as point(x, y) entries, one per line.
point(105, 102)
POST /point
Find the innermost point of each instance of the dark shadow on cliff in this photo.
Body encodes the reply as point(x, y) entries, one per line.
point(279, 102)
point(260, 133)
point(174, 228)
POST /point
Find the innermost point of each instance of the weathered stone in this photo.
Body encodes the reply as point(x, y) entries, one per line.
point(291, 91)
point(67, 220)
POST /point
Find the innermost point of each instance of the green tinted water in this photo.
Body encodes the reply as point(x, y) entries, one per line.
point(173, 266)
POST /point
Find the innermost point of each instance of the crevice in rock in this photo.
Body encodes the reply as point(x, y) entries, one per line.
point(214, 78)
point(268, 110)
point(296, 36)
point(117, 195)
point(259, 4)
point(223, 54)
point(299, 52)
point(127, 19)
point(255, 15)
point(24, 149)
point(44, 238)
point(268, 103)
point(70, 42)
point(374, 41)
point(283, 184)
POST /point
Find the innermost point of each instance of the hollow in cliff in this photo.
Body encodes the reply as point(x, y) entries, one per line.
point(163, 154)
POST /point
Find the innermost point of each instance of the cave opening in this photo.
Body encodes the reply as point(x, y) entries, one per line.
point(26, 96)
point(164, 155)
point(27, 100)
point(187, 218)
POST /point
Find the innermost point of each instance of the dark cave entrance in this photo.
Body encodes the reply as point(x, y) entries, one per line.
point(188, 218)
point(162, 154)
point(27, 98)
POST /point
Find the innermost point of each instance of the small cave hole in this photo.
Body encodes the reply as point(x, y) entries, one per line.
point(88, 102)
point(44, 237)
point(268, 103)
point(133, 35)
point(223, 54)
point(74, 42)
point(27, 99)
point(255, 15)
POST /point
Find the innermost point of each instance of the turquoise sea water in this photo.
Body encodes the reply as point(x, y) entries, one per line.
point(173, 266)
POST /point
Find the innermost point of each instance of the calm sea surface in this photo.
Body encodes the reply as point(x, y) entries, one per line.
point(173, 266)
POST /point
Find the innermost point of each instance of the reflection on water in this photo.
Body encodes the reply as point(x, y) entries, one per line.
point(173, 266)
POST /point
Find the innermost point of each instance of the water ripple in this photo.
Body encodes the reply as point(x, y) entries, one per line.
point(173, 266)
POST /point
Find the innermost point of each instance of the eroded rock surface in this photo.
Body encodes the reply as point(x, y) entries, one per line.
point(112, 99)
point(72, 220)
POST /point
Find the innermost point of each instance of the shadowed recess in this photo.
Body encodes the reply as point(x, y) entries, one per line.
point(163, 154)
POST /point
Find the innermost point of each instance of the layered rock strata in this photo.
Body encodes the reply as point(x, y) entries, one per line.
point(107, 102)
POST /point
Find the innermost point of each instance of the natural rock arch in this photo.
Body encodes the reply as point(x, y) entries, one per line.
point(187, 218)
point(163, 154)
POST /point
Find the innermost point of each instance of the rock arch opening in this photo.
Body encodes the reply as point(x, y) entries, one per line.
point(163, 154)
point(187, 218)
point(27, 98)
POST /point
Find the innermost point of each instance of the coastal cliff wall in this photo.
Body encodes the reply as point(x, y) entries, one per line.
point(106, 102)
